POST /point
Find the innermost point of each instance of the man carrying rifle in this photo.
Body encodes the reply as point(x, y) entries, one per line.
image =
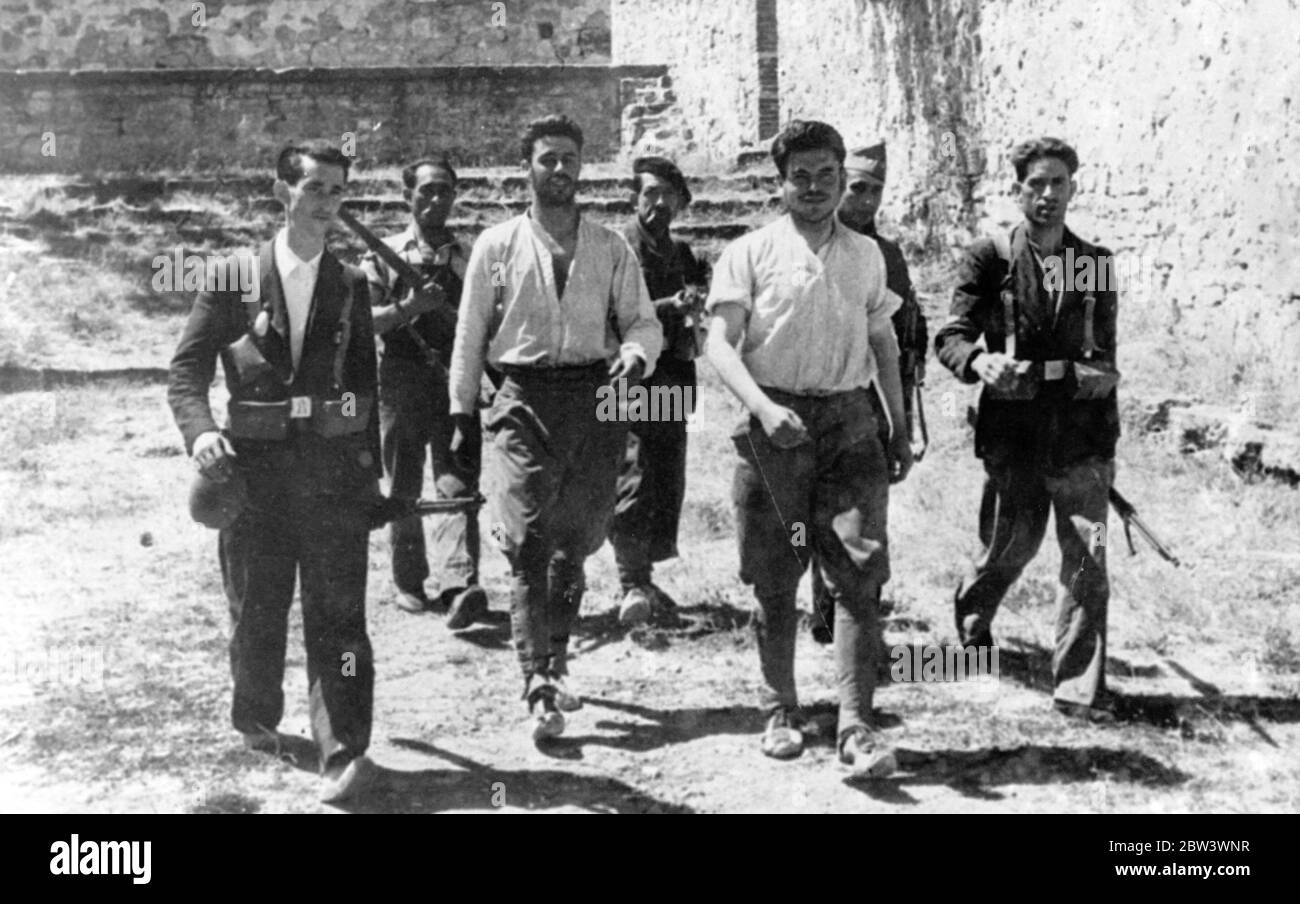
point(1043, 302)
point(652, 484)
point(417, 324)
point(301, 450)
point(865, 168)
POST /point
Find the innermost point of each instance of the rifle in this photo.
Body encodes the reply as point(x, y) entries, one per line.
point(391, 508)
point(690, 301)
point(911, 369)
point(404, 271)
point(1128, 514)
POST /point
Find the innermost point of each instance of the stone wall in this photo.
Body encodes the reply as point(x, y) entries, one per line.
point(179, 34)
point(711, 49)
point(1184, 115)
point(223, 119)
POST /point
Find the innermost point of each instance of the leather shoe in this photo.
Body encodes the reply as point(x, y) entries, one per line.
point(636, 606)
point(859, 751)
point(467, 607)
point(412, 601)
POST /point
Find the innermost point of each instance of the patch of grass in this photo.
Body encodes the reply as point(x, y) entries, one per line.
point(32, 421)
point(1281, 652)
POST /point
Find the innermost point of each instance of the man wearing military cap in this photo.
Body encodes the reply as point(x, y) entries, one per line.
point(299, 361)
point(652, 483)
point(865, 167)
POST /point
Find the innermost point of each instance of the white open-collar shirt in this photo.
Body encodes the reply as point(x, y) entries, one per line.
point(298, 282)
point(512, 313)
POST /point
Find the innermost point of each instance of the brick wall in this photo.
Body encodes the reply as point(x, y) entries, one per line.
point(710, 48)
point(210, 119)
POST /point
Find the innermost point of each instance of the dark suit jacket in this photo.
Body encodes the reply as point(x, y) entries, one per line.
point(1052, 430)
point(218, 318)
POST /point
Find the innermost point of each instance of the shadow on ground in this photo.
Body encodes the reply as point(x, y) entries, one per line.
point(665, 626)
point(664, 727)
point(976, 773)
point(471, 785)
point(1200, 715)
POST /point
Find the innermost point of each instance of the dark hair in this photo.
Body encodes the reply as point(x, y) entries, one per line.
point(437, 160)
point(288, 167)
point(663, 168)
point(806, 135)
point(1027, 152)
point(555, 125)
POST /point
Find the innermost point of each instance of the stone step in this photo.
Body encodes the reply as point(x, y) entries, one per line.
point(153, 231)
point(137, 191)
point(702, 211)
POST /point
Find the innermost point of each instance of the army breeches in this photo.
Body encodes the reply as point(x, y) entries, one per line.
point(414, 420)
point(1012, 523)
point(322, 543)
point(551, 473)
point(824, 501)
point(651, 489)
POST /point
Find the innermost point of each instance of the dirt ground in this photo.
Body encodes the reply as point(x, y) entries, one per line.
point(117, 689)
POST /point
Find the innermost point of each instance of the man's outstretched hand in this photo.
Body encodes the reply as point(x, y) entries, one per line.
point(629, 366)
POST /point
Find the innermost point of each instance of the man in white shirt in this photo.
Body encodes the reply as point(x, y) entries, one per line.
point(556, 305)
point(805, 300)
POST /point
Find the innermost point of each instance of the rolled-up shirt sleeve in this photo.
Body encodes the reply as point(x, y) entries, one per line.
point(733, 279)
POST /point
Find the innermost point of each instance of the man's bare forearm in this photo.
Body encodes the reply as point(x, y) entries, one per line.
point(720, 349)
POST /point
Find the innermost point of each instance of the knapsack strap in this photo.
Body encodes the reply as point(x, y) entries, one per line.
point(1002, 243)
point(1089, 339)
point(344, 333)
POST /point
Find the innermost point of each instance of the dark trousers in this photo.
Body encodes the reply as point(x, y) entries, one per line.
point(552, 471)
point(323, 543)
point(414, 419)
point(822, 603)
point(651, 486)
point(824, 501)
point(1012, 523)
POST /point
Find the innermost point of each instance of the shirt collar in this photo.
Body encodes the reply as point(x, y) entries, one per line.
point(652, 243)
point(441, 255)
point(541, 235)
point(838, 231)
point(287, 262)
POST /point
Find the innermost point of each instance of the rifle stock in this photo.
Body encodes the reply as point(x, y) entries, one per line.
point(1128, 514)
point(390, 508)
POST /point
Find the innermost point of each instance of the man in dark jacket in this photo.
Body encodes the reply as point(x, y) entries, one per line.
point(299, 360)
point(652, 483)
point(1043, 302)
